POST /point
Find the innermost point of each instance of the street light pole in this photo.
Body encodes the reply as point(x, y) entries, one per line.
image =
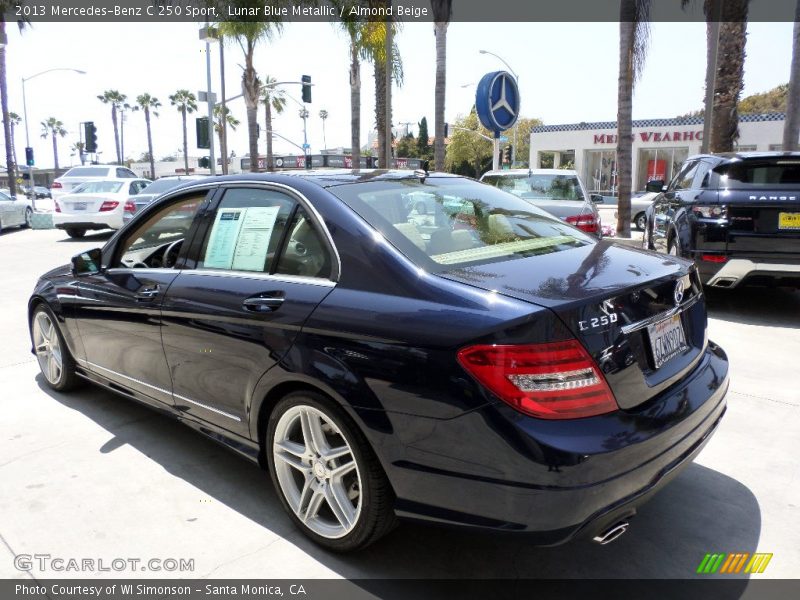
point(516, 78)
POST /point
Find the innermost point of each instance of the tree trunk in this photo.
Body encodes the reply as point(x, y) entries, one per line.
point(440, 31)
point(116, 133)
point(627, 29)
point(150, 142)
point(730, 75)
point(55, 150)
point(185, 144)
point(355, 104)
point(268, 123)
point(791, 128)
point(250, 88)
point(14, 150)
point(380, 112)
point(12, 182)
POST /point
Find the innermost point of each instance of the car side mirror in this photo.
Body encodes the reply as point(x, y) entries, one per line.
point(656, 185)
point(87, 263)
point(597, 198)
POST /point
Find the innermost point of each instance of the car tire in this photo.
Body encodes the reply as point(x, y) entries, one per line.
point(640, 221)
point(76, 233)
point(343, 511)
point(55, 361)
point(28, 218)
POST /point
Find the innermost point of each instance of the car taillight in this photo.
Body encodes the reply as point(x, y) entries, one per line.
point(556, 380)
point(130, 206)
point(584, 222)
point(108, 205)
point(711, 212)
point(714, 258)
point(56, 186)
point(57, 205)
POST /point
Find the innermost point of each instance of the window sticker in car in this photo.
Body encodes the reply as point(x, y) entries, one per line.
point(222, 242)
point(240, 238)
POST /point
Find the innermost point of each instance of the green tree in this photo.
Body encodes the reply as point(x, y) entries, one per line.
point(323, 115)
point(186, 103)
point(423, 140)
point(223, 119)
point(11, 163)
point(248, 34)
point(149, 105)
point(469, 153)
point(116, 100)
point(442, 11)
point(273, 99)
point(53, 128)
point(13, 120)
point(407, 146)
point(633, 40)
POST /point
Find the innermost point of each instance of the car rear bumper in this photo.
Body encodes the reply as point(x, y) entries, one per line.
point(736, 271)
point(87, 220)
point(498, 469)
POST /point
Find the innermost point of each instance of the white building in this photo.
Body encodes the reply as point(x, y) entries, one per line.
point(659, 146)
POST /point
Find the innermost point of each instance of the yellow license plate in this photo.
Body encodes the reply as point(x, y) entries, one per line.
point(788, 220)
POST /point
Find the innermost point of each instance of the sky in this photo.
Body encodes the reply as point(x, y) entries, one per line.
point(567, 74)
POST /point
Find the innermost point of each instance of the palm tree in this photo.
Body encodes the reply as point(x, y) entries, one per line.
point(77, 148)
point(7, 127)
point(52, 127)
point(13, 120)
point(323, 114)
point(248, 34)
point(273, 99)
point(791, 128)
point(442, 11)
point(150, 105)
point(223, 119)
point(116, 100)
point(633, 38)
point(186, 102)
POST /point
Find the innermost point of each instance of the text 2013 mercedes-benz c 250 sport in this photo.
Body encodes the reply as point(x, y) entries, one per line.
point(478, 363)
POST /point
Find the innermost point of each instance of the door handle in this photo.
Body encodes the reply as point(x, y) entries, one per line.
point(147, 294)
point(264, 303)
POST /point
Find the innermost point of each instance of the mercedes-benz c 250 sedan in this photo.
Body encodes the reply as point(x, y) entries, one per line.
point(488, 366)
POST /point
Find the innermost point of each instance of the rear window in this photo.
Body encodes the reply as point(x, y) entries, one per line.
point(162, 185)
point(752, 174)
point(98, 187)
point(447, 223)
point(87, 172)
point(538, 187)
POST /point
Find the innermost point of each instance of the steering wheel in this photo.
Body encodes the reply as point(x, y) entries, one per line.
point(140, 265)
point(165, 262)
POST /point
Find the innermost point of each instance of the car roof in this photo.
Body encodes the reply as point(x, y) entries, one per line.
point(532, 172)
point(733, 156)
point(330, 177)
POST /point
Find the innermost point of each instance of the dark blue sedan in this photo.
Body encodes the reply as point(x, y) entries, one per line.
point(398, 345)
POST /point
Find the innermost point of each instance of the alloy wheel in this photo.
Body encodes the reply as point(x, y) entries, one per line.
point(28, 217)
point(47, 347)
point(317, 471)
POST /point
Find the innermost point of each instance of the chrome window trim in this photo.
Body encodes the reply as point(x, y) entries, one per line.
point(631, 327)
point(320, 281)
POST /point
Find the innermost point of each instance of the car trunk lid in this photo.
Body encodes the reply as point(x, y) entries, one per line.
point(83, 203)
point(640, 315)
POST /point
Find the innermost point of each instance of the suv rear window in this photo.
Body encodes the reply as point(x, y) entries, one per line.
point(538, 187)
point(446, 223)
point(760, 173)
point(87, 172)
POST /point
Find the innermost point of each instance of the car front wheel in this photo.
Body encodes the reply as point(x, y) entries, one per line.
point(328, 479)
point(55, 361)
point(640, 221)
point(28, 217)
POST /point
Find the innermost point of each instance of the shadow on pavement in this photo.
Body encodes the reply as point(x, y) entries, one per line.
point(774, 307)
point(701, 511)
point(100, 236)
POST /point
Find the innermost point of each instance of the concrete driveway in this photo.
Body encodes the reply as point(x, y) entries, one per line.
point(91, 474)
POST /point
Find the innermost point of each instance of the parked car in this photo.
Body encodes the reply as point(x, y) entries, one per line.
point(640, 202)
point(38, 192)
point(14, 211)
point(78, 175)
point(558, 191)
point(509, 372)
point(99, 204)
point(736, 215)
point(158, 187)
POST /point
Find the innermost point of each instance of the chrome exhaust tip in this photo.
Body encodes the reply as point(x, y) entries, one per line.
point(612, 533)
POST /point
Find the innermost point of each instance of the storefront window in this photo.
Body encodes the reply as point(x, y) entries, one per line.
point(601, 172)
point(658, 163)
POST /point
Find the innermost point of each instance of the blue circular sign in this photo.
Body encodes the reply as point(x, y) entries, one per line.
point(497, 101)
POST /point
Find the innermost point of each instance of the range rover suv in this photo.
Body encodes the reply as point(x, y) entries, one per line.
point(736, 215)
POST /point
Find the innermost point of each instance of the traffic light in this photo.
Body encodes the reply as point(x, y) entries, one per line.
point(201, 124)
point(29, 156)
point(507, 155)
point(204, 162)
point(306, 79)
point(90, 135)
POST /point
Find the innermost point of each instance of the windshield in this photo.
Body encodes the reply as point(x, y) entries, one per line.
point(538, 186)
point(760, 173)
point(446, 223)
point(87, 172)
point(162, 185)
point(98, 187)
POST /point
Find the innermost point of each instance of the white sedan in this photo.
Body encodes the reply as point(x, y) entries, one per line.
point(97, 205)
point(14, 212)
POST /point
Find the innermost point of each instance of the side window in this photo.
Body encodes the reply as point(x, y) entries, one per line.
point(155, 243)
point(125, 173)
point(702, 175)
point(305, 252)
point(683, 180)
point(134, 188)
point(247, 230)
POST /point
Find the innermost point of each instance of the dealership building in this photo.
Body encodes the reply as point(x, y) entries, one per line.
point(659, 147)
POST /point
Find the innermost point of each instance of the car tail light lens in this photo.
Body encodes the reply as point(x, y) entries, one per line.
point(108, 205)
point(130, 206)
point(56, 186)
point(714, 258)
point(557, 380)
point(711, 212)
point(584, 222)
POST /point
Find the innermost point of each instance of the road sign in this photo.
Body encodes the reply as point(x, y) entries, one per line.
point(306, 146)
point(503, 138)
point(497, 101)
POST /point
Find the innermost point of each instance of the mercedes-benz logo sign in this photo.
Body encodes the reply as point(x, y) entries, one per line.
point(679, 292)
point(497, 101)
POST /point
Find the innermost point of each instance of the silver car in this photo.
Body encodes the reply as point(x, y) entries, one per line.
point(14, 212)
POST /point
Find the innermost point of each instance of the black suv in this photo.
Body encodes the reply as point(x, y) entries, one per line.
point(737, 215)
